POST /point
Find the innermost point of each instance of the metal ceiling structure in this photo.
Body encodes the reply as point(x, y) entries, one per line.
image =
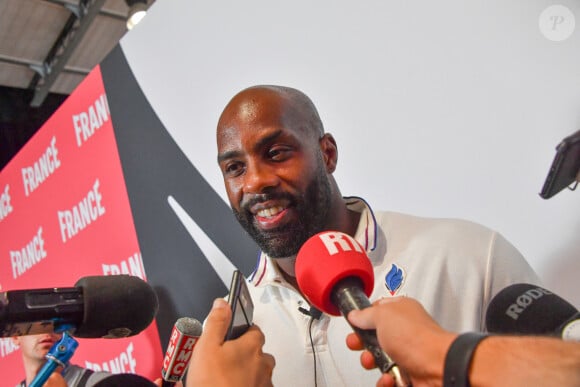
point(49, 46)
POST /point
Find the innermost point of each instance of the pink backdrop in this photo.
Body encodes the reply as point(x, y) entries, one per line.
point(65, 214)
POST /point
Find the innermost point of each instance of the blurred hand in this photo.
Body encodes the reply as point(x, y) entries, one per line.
point(56, 379)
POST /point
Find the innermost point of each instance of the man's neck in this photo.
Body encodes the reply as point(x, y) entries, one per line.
point(31, 368)
point(287, 265)
point(288, 270)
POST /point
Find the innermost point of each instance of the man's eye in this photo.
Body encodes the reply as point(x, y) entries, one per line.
point(233, 169)
point(279, 154)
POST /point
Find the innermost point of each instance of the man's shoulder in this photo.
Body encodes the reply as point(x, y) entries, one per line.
point(74, 375)
point(398, 219)
point(77, 376)
point(97, 376)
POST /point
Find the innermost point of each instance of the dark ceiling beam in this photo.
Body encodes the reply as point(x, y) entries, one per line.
point(18, 61)
point(36, 64)
point(105, 12)
point(63, 49)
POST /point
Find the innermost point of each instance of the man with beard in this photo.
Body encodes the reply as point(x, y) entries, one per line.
point(278, 164)
point(34, 349)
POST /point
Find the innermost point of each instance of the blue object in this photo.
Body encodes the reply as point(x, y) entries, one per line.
point(58, 355)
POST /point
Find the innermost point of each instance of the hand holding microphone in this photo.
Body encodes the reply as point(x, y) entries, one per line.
point(420, 346)
point(408, 333)
point(335, 274)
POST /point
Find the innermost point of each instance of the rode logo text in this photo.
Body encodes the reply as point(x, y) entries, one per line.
point(523, 301)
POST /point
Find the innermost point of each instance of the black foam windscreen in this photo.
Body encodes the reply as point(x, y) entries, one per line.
point(116, 306)
point(528, 309)
point(125, 380)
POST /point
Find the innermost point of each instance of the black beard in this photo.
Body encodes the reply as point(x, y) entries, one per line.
point(312, 209)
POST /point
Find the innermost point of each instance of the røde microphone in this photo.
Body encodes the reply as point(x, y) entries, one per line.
point(335, 274)
point(184, 336)
point(97, 307)
point(526, 309)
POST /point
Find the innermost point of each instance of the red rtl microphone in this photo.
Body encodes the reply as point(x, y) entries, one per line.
point(335, 274)
point(184, 335)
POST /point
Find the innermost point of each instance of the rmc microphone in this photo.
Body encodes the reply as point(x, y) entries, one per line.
point(184, 336)
point(97, 307)
point(335, 274)
point(525, 309)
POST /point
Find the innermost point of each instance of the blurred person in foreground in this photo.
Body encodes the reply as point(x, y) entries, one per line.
point(34, 349)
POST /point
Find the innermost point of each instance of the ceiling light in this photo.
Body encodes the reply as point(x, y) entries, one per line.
point(137, 11)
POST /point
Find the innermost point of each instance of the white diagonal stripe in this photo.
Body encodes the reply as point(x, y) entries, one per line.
point(216, 258)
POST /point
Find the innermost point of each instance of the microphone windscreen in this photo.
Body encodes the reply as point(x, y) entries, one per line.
point(124, 380)
point(189, 326)
point(527, 309)
point(115, 306)
point(325, 259)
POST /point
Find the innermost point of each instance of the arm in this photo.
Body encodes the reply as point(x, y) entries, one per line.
point(413, 339)
point(238, 362)
point(526, 360)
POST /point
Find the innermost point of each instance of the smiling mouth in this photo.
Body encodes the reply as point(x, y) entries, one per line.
point(270, 212)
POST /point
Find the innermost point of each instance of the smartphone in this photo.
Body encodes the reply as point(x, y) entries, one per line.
point(565, 169)
point(242, 306)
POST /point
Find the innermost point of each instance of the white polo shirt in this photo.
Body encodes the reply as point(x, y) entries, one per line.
point(453, 267)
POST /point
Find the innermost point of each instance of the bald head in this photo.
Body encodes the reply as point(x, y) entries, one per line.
point(274, 103)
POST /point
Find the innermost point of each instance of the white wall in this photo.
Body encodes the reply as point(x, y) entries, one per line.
point(445, 108)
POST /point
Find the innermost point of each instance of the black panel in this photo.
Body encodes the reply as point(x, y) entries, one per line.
point(19, 121)
point(154, 168)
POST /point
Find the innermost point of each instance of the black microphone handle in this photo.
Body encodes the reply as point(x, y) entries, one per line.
point(347, 295)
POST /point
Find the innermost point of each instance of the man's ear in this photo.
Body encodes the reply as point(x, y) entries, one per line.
point(16, 340)
point(329, 152)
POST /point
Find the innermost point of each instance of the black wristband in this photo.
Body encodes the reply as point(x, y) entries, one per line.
point(458, 359)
